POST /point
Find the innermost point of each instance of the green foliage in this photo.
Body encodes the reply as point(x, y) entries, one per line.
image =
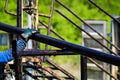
point(6, 18)
point(2, 48)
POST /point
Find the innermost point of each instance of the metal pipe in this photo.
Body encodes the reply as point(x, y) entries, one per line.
point(37, 52)
point(46, 26)
point(68, 53)
point(43, 15)
point(84, 31)
point(60, 68)
point(50, 21)
point(6, 9)
point(36, 15)
point(52, 73)
point(94, 31)
point(104, 11)
point(17, 62)
point(83, 68)
point(19, 13)
point(18, 59)
point(99, 55)
point(78, 17)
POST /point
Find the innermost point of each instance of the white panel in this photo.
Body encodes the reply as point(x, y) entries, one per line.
point(100, 26)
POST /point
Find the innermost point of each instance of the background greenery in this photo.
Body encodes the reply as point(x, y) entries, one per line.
point(83, 8)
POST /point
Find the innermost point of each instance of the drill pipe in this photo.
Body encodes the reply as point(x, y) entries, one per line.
point(99, 55)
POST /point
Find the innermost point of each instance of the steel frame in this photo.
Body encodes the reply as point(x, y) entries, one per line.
point(109, 58)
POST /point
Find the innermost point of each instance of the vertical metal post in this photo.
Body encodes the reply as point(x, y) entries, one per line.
point(116, 40)
point(118, 44)
point(83, 68)
point(50, 21)
point(17, 62)
point(19, 13)
point(17, 58)
point(29, 25)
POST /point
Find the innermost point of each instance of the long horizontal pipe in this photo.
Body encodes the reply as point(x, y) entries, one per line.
point(102, 56)
point(36, 52)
